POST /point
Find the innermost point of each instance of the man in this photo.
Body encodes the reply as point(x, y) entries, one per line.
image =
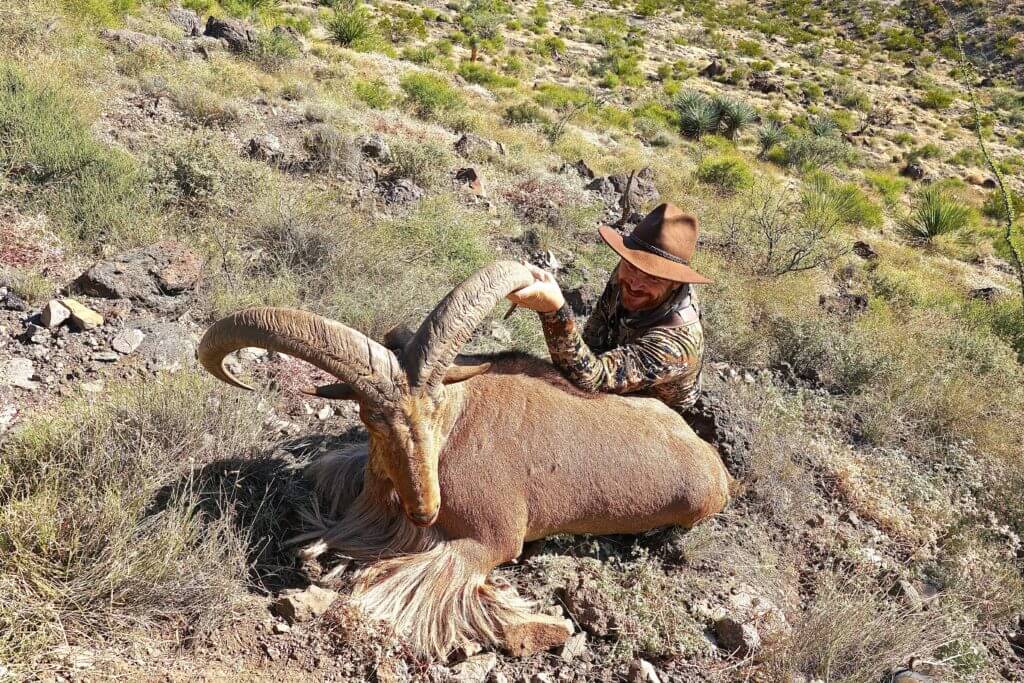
point(644, 336)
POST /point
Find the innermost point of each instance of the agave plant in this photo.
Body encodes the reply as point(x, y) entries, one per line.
point(698, 114)
point(822, 126)
point(935, 213)
point(733, 115)
point(769, 134)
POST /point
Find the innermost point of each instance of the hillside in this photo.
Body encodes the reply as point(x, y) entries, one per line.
point(164, 165)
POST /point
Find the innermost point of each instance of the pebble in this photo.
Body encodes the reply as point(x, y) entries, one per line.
point(475, 669)
point(105, 356)
point(642, 671)
point(325, 413)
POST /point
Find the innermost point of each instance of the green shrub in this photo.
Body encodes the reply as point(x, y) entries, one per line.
point(560, 97)
point(205, 106)
point(424, 163)
point(733, 115)
point(936, 212)
point(475, 72)
point(93, 191)
point(430, 95)
point(353, 28)
point(272, 50)
point(813, 151)
point(749, 48)
point(329, 150)
point(825, 197)
point(727, 173)
point(549, 46)
point(889, 185)
point(376, 93)
point(770, 133)
point(811, 91)
point(698, 115)
point(422, 54)
point(937, 98)
point(525, 113)
point(191, 173)
point(995, 207)
point(100, 12)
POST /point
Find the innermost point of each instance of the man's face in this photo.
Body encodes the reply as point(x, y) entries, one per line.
point(640, 291)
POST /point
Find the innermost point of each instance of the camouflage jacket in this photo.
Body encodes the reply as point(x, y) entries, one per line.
point(663, 361)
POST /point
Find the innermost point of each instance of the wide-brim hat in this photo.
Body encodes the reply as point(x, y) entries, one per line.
point(661, 245)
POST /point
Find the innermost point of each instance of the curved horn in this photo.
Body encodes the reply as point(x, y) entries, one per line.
point(449, 326)
point(372, 371)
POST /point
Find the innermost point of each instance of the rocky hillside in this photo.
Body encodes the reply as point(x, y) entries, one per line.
point(163, 164)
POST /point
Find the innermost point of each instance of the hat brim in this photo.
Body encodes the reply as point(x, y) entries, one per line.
point(652, 264)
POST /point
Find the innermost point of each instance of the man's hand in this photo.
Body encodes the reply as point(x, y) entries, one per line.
point(543, 296)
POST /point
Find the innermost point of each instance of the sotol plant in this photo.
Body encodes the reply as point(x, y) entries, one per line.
point(935, 213)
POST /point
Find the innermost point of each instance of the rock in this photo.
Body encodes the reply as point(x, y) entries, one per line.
point(588, 606)
point(581, 300)
point(737, 636)
point(303, 605)
point(914, 170)
point(392, 671)
point(580, 168)
point(574, 647)
point(846, 305)
point(401, 191)
point(281, 627)
point(981, 179)
point(470, 179)
point(34, 334)
point(500, 333)
point(988, 294)
point(133, 40)
point(54, 313)
point(611, 188)
point(542, 677)
point(642, 671)
point(713, 70)
point(265, 147)
point(167, 346)
point(325, 413)
point(764, 83)
point(18, 372)
point(475, 669)
point(910, 595)
point(238, 35)
point(7, 415)
point(864, 250)
point(472, 145)
point(126, 341)
point(536, 633)
point(908, 676)
point(373, 146)
point(187, 20)
point(105, 356)
point(82, 317)
point(10, 301)
point(152, 275)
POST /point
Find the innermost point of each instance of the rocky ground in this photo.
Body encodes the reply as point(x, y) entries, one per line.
point(869, 404)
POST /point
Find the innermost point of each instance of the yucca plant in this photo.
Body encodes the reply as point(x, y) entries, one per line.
point(769, 134)
point(351, 28)
point(935, 213)
point(698, 114)
point(822, 126)
point(733, 115)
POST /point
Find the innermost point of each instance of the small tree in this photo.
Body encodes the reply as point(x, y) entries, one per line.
point(481, 21)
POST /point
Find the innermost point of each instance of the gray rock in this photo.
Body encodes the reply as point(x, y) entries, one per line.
point(265, 147)
point(737, 636)
point(133, 40)
point(914, 170)
point(166, 346)
point(471, 145)
point(18, 372)
point(187, 20)
point(374, 146)
point(542, 678)
point(54, 313)
point(611, 188)
point(988, 294)
point(581, 300)
point(401, 191)
point(580, 168)
point(152, 275)
point(105, 356)
point(910, 595)
point(303, 605)
point(574, 647)
point(475, 669)
point(642, 671)
point(127, 341)
point(12, 302)
point(238, 35)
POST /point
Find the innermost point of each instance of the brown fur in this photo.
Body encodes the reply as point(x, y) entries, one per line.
point(518, 454)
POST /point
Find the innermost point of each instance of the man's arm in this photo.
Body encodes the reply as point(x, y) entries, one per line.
point(597, 331)
point(661, 355)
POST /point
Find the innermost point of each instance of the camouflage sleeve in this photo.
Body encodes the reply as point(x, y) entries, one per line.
point(661, 355)
point(597, 331)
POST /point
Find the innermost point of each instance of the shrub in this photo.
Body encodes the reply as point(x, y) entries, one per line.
point(191, 173)
point(825, 197)
point(205, 107)
point(995, 207)
point(376, 93)
point(272, 50)
point(813, 151)
point(733, 115)
point(769, 134)
point(937, 98)
point(525, 113)
point(811, 90)
point(424, 163)
point(749, 48)
point(889, 185)
point(329, 150)
point(423, 54)
point(698, 114)
point(936, 212)
point(430, 95)
point(475, 72)
point(561, 97)
point(727, 173)
point(353, 28)
point(822, 126)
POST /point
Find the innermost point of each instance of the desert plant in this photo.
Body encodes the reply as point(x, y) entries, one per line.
point(727, 173)
point(733, 115)
point(481, 22)
point(937, 98)
point(272, 50)
point(352, 28)
point(995, 206)
point(698, 114)
point(330, 151)
point(475, 72)
point(826, 196)
point(936, 212)
point(525, 113)
point(815, 151)
point(430, 95)
point(376, 93)
point(422, 162)
point(770, 133)
point(822, 126)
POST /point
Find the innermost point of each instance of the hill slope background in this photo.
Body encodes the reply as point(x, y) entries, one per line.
point(865, 329)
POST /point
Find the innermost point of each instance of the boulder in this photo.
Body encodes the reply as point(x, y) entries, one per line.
point(737, 636)
point(54, 313)
point(401, 191)
point(9, 301)
point(152, 275)
point(238, 35)
point(713, 70)
point(588, 607)
point(989, 294)
point(764, 83)
point(574, 647)
point(864, 250)
point(265, 147)
point(127, 341)
point(133, 40)
point(187, 20)
point(373, 146)
point(303, 605)
point(642, 671)
point(469, 178)
point(536, 633)
point(611, 188)
point(914, 170)
point(82, 317)
point(471, 145)
point(579, 168)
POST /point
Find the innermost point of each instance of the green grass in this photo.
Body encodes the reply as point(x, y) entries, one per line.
point(475, 72)
point(93, 192)
point(937, 98)
point(376, 93)
point(845, 201)
point(726, 173)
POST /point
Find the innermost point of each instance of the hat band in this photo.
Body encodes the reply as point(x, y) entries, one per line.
point(638, 243)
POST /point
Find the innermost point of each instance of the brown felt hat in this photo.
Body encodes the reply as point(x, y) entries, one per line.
point(661, 245)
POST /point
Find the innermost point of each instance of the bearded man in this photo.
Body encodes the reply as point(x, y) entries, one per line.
point(644, 336)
